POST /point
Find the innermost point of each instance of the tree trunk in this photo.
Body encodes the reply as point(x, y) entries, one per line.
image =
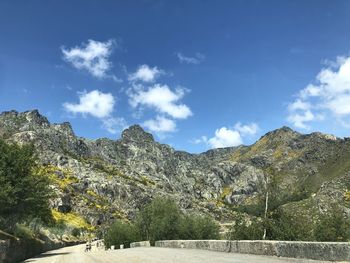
point(266, 205)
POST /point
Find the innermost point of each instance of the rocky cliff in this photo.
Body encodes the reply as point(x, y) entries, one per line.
point(106, 179)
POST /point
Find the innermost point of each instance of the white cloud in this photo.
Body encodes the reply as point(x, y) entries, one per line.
point(160, 125)
point(299, 119)
point(114, 125)
point(92, 56)
point(99, 105)
point(225, 137)
point(229, 137)
point(95, 103)
point(330, 94)
point(146, 74)
point(299, 105)
point(249, 129)
point(197, 59)
point(339, 105)
point(162, 99)
point(202, 139)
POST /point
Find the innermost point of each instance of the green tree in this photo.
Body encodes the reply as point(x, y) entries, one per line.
point(159, 220)
point(282, 226)
point(242, 229)
point(195, 226)
point(24, 194)
point(121, 233)
point(333, 227)
point(76, 232)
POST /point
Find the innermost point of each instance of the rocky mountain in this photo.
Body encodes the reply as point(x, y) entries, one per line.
point(106, 179)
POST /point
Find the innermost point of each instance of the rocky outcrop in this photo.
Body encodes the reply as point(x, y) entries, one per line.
point(106, 179)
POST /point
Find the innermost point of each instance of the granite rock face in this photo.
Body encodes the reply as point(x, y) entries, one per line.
point(106, 179)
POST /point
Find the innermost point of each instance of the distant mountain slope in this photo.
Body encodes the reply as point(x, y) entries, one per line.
point(105, 179)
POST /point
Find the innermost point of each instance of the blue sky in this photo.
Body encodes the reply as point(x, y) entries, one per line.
point(197, 74)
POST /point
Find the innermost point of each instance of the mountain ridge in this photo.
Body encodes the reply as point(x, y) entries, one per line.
point(105, 179)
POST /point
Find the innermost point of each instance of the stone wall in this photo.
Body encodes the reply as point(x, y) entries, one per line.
point(332, 251)
point(140, 244)
point(16, 250)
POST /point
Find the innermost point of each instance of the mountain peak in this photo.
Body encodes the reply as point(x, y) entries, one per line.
point(23, 118)
point(283, 131)
point(35, 116)
point(136, 133)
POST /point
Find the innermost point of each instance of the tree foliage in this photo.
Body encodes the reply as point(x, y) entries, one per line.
point(121, 233)
point(244, 230)
point(24, 194)
point(159, 220)
point(198, 227)
point(162, 219)
point(333, 227)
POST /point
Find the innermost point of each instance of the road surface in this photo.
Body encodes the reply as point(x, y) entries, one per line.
point(76, 254)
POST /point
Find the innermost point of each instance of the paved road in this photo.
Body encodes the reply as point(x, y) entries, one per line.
point(76, 254)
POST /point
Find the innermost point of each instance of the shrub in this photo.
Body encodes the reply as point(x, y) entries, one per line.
point(281, 226)
point(121, 233)
point(22, 231)
point(242, 229)
point(59, 228)
point(333, 227)
point(36, 225)
point(76, 232)
point(162, 219)
point(159, 220)
point(198, 227)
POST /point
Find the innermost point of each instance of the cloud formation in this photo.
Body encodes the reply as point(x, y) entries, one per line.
point(162, 99)
point(197, 59)
point(328, 97)
point(114, 125)
point(166, 102)
point(99, 105)
point(248, 129)
point(95, 103)
point(92, 56)
point(225, 137)
point(229, 137)
point(146, 74)
point(160, 125)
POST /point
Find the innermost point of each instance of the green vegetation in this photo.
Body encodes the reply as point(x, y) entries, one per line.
point(198, 227)
point(329, 227)
point(333, 227)
point(162, 219)
point(277, 219)
point(63, 178)
point(72, 219)
point(24, 194)
point(121, 233)
point(245, 230)
point(23, 231)
point(159, 220)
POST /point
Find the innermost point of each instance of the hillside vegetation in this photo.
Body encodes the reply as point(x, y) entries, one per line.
point(98, 182)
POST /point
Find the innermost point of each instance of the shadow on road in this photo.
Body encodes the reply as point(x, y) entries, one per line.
point(44, 255)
